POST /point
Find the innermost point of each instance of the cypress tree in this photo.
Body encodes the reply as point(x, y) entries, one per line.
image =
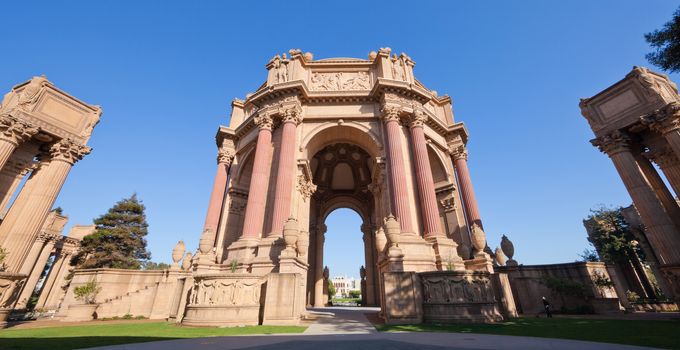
point(119, 240)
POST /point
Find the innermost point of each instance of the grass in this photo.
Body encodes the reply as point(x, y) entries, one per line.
point(661, 334)
point(83, 336)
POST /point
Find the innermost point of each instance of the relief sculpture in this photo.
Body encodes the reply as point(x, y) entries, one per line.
point(339, 81)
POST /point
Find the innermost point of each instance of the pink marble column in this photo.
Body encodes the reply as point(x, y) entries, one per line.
point(257, 193)
point(212, 219)
point(459, 155)
point(426, 193)
point(661, 232)
point(285, 171)
point(397, 168)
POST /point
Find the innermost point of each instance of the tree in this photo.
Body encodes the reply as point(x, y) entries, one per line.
point(331, 289)
point(589, 255)
point(666, 45)
point(119, 240)
point(150, 265)
point(611, 235)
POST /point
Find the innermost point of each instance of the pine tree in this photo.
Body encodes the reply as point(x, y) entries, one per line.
point(119, 240)
point(666, 45)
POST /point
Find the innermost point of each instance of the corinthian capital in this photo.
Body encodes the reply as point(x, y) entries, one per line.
point(264, 121)
point(665, 120)
point(14, 130)
point(458, 152)
point(417, 119)
point(664, 157)
point(67, 150)
point(225, 156)
point(612, 143)
point(390, 113)
point(290, 115)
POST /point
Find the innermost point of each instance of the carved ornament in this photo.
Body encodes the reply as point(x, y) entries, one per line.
point(264, 122)
point(225, 156)
point(340, 81)
point(417, 119)
point(390, 113)
point(226, 291)
point(306, 187)
point(458, 152)
point(456, 288)
point(612, 143)
point(14, 130)
point(67, 150)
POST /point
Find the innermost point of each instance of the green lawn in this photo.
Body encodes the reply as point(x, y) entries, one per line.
point(83, 336)
point(661, 334)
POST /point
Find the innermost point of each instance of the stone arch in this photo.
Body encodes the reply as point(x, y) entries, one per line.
point(348, 202)
point(350, 132)
point(439, 169)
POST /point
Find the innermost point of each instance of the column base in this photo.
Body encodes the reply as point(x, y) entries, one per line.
point(480, 262)
point(269, 250)
point(446, 253)
point(242, 253)
point(671, 274)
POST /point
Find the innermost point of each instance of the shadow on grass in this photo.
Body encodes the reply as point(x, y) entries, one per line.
point(68, 343)
point(662, 334)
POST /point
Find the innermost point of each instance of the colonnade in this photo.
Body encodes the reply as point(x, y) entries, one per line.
point(655, 139)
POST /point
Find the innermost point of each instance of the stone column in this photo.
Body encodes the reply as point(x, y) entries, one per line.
point(257, 193)
point(212, 218)
point(47, 244)
point(318, 267)
point(667, 123)
point(397, 168)
point(10, 178)
point(367, 230)
point(669, 164)
point(290, 118)
point(662, 192)
point(51, 279)
point(661, 232)
point(459, 155)
point(21, 226)
point(424, 180)
point(13, 132)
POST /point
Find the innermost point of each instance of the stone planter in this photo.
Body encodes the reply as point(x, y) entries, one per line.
point(80, 312)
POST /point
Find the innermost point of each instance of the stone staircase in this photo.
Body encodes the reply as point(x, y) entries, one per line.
point(140, 300)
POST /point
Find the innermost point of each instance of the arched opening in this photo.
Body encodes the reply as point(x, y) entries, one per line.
point(344, 255)
point(341, 214)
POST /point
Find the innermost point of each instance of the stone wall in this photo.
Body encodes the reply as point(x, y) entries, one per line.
point(528, 283)
point(139, 293)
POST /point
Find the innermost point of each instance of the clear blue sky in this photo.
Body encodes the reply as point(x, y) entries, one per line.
point(165, 73)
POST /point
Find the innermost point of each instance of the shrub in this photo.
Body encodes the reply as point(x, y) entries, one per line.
point(3, 256)
point(632, 296)
point(87, 293)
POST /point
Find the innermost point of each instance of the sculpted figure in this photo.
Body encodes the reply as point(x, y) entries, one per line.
point(397, 68)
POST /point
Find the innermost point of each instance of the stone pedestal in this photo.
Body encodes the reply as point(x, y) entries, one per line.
point(446, 253)
point(284, 300)
point(224, 300)
point(480, 262)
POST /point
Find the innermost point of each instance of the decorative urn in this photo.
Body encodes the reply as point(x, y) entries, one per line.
point(478, 238)
point(508, 247)
point(500, 257)
point(380, 240)
point(393, 230)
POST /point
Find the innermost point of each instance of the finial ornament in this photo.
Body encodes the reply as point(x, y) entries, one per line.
point(67, 150)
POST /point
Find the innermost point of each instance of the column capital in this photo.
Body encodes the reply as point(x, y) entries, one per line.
point(390, 113)
point(225, 156)
point(663, 157)
point(417, 119)
point(14, 130)
point(290, 114)
point(613, 143)
point(264, 121)
point(68, 151)
point(458, 152)
point(664, 120)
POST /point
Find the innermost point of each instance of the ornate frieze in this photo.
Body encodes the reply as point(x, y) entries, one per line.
point(67, 150)
point(612, 143)
point(340, 81)
point(14, 130)
point(225, 291)
point(455, 287)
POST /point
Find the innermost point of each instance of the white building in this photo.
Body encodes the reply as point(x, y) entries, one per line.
point(344, 284)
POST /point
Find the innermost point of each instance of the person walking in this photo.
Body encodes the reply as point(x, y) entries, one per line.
point(546, 306)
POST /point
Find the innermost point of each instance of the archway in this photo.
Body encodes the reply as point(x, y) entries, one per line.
point(343, 173)
point(344, 253)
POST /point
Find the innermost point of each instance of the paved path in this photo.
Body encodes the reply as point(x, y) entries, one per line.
point(348, 328)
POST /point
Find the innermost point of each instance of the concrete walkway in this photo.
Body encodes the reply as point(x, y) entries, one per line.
point(348, 328)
